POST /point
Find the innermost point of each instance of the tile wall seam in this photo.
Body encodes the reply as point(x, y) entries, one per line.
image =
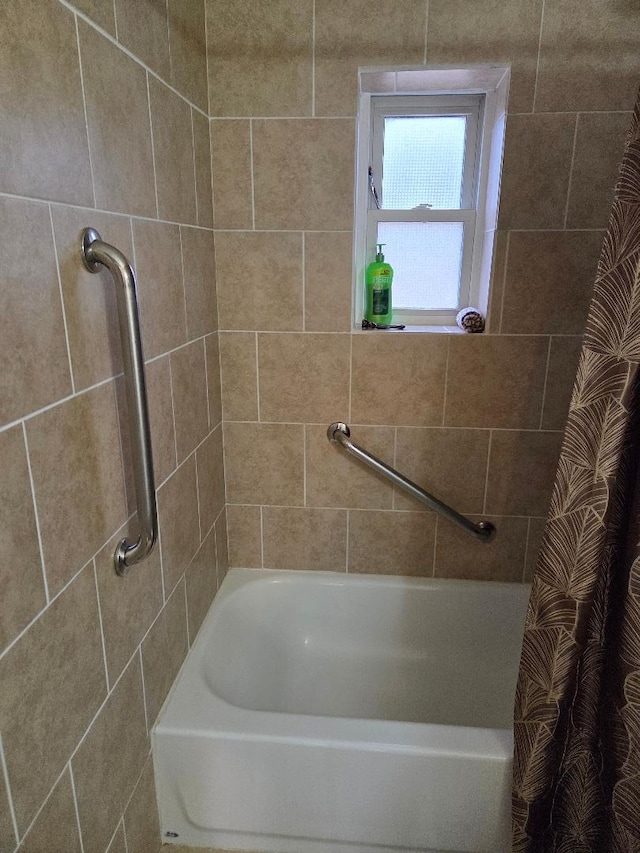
point(313, 59)
point(348, 531)
point(213, 200)
point(171, 70)
point(84, 107)
point(61, 295)
point(430, 427)
point(184, 286)
point(486, 476)
point(371, 509)
point(42, 804)
point(144, 684)
point(5, 775)
point(115, 19)
point(224, 458)
point(349, 407)
point(119, 414)
point(206, 56)
point(36, 516)
point(535, 85)
point(135, 216)
point(175, 431)
point(195, 466)
point(215, 548)
point(426, 31)
point(504, 281)
point(446, 381)
point(226, 530)
point(206, 382)
point(294, 118)
point(526, 551)
point(100, 622)
point(153, 148)
point(253, 187)
point(261, 536)
point(304, 281)
point(571, 170)
point(394, 463)
point(208, 533)
point(408, 335)
point(195, 174)
point(115, 832)
point(186, 611)
point(133, 790)
point(257, 378)
point(114, 41)
point(304, 464)
point(544, 385)
point(435, 546)
point(572, 112)
point(75, 806)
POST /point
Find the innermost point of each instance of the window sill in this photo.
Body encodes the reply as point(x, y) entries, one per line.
point(429, 330)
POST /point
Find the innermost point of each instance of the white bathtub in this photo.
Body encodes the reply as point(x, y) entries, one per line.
point(328, 713)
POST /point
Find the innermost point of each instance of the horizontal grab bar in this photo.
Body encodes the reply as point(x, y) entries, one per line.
point(94, 254)
point(339, 433)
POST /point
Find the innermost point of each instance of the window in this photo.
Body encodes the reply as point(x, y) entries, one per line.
point(424, 163)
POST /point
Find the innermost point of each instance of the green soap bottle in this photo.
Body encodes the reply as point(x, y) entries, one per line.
point(378, 280)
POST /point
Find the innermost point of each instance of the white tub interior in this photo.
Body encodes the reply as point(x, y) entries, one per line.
point(322, 713)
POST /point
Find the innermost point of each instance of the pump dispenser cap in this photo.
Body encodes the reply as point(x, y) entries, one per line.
point(379, 255)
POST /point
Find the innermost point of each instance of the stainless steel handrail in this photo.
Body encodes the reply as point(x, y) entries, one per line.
point(339, 433)
point(94, 254)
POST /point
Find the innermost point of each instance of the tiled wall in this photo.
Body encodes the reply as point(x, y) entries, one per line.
point(103, 122)
point(476, 419)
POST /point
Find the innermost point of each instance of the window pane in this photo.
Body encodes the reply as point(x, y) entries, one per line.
point(426, 258)
point(423, 161)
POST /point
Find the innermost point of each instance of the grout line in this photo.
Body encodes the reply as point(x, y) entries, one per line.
point(206, 57)
point(504, 281)
point(304, 465)
point(171, 69)
point(446, 382)
point(435, 546)
point(486, 478)
point(426, 30)
point(153, 148)
point(546, 379)
point(144, 689)
point(119, 422)
point(114, 41)
point(350, 375)
point(435, 428)
point(304, 282)
point(195, 172)
point(104, 645)
point(535, 86)
point(124, 831)
point(257, 376)
point(253, 189)
point(62, 305)
point(351, 117)
point(5, 774)
point(186, 607)
point(346, 565)
point(75, 806)
point(571, 167)
point(200, 538)
point(213, 200)
point(526, 551)
point(313, 59)
point(394, 463)
point(206, 382)
point(84, 103)
point(37, 519)
point(377, 510)
point(162, 586)
point(115, 19)
point(175, 431)
point(261, 536)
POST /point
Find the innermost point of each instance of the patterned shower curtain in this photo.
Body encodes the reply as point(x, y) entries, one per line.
point(576, 784)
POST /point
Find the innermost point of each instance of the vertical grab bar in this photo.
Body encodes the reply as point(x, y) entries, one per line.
point(94, 254)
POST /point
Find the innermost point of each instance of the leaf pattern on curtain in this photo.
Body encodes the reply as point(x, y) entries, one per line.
point(576, 775)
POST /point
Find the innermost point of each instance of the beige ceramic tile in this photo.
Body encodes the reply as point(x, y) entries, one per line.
point(77, 513)
point(495, 381)
point(141, 817)
point(303, 174)
point(535, 172)
point(89, 298)
point(305, 538)
point(259, 57)
point(398, 379)
point(449, 463)
point(109, 760)
point(100, 11)
point(522, 469)
point(561, 374)
point(201, 580)
point(118, 843)
point(350, 33)
point(189, 384)
point(161, 418)
point(202, 159)
point(500, 31)
point(210, 465)
point(588, 56)
point(534, 543)
point(42, 101)
point(222, 550)
point(57, 820)
point(231, 168)
point(163, 650)
point(161, 293)
point(245, 536)
point(21, 590)
point(599, 148)
point(188, 50)
point(391, 543)
point(179, 528)
point(143, 29)
point(275, 261)
point(264, 463)
point(460, 556)
point(173, 154)
point(119, 130)
point(303, 378)
point(549, 281)
point(53, 682)
point(213, 380)
point(199, 264)
point(34, 366)
point(333, 478)
point(128, 604)
point(327, 281)
point(239, 376)
point(7, 834)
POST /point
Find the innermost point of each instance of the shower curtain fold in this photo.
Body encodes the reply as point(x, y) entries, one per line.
point(576, 781)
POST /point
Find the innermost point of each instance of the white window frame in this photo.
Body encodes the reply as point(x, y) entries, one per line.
point(479, 93)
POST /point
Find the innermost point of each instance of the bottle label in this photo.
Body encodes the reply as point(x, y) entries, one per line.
point(380, 302)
